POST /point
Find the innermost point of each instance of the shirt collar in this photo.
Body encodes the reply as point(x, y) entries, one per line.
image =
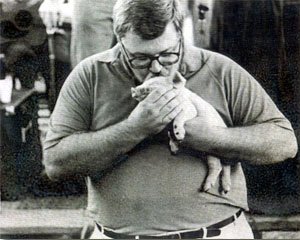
point(116, 59)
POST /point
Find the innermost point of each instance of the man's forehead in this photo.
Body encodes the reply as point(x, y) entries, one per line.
point(136, 45)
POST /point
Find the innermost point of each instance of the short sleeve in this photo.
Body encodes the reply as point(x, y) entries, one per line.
point(248, 101)
point(72, 112)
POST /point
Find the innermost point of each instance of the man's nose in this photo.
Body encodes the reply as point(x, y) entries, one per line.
point(155, 66)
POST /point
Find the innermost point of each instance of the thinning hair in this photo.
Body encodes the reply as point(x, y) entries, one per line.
point(146, 18)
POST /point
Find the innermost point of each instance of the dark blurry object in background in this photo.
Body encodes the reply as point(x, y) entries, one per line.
point(23, 40)
point(264, 37)
point(20, 146)
point(22, 62)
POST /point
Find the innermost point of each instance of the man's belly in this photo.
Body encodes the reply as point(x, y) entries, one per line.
point(153, 191)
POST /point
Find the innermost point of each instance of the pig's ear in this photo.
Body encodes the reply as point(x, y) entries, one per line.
point(179, 81)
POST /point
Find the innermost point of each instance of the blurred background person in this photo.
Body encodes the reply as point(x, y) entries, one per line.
point(92, 29)
point(23, 40)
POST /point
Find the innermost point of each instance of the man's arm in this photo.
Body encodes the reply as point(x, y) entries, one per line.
point(264, 135)
point(263, 143)
point(92, 152)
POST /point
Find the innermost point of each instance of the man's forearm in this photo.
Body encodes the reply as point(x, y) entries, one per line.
point(264, 143)
point(92, 152)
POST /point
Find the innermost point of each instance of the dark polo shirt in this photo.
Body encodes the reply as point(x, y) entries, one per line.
point(149, 191)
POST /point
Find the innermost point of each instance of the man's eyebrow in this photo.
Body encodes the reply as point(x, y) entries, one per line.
point(145, 54)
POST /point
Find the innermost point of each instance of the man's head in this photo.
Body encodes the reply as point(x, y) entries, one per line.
point(146, 18)
point(150, 35)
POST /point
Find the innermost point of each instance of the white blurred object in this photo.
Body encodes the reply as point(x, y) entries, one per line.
point(54, 13)
point(44, 113)
point(40, 84)
point(18, 85)
point(188, 30)
point(6, 86)
point(66, 11)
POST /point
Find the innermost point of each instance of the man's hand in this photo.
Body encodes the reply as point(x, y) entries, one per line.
point(158, 109)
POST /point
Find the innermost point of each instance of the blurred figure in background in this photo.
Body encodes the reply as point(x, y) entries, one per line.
point(23, 40)
point(92, 25)
point(92, 28)
point(92, 32)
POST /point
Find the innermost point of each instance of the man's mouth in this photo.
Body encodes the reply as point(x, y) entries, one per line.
point(162, 73)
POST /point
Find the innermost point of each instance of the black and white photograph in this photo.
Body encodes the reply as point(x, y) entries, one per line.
point(149, 119)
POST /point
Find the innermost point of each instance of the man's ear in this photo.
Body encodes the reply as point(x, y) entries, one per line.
point(179, 81)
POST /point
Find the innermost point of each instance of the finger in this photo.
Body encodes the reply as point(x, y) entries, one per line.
point(167, 101)
point(214, 170)
point(161, 96)
point(172, 114)
point(226, 179)
point(168, 106)
point(156, 94)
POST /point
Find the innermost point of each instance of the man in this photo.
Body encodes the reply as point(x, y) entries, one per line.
point(136, 188)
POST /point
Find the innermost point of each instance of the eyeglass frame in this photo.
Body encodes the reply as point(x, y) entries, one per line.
point(151, 57)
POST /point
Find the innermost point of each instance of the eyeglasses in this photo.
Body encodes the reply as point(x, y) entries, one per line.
point(145, 61)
